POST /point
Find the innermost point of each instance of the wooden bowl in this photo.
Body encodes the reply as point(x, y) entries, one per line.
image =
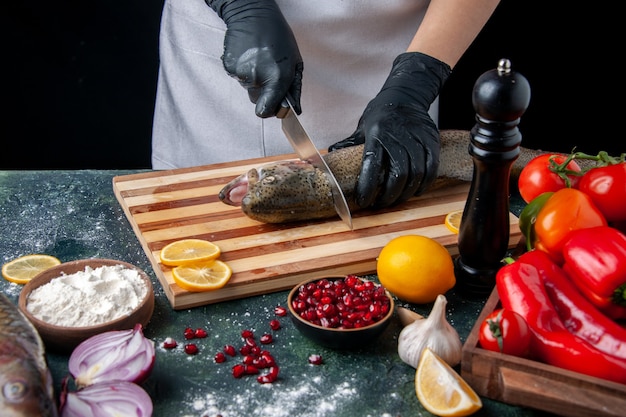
point(64, 339)
point(338, 338)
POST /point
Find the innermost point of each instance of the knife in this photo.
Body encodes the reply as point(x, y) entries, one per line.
point(306, 150)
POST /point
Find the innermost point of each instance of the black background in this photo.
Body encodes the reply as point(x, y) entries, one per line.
point(81, 78)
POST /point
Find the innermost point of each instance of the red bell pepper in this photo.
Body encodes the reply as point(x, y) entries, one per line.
point(568, 209)
point(595, 259)
point(581, 317)
point(520, 287)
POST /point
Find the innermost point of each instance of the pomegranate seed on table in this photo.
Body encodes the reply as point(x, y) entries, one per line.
point(275, 324)
point(189, 333)
point(219, 357)
point(247, 334)
point(200, 333)
point(315, 359)
point(280, 311)
point(169, 343)
point(266, 339)
point(230, 350)
point(191, 349)
point(239, 370)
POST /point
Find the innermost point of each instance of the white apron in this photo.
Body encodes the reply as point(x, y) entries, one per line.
point(203, 116)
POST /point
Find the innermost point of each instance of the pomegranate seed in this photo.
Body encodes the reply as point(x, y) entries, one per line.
point(260, 362)
point(269, 377)
point(191, 349)
point(266, 338)
point(248, 359)
point(169, 343)
point(239, 370)
point(275, 324)
point(251, 370)
point(200, 333)
point(315, 359)
point(247, 334)
point(230, 350)
point(280, 311)
point(341, 303)
point(219, 357)
point(267, 358)
point(189, 333)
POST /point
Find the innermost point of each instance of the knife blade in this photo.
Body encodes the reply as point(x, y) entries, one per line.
point(306, 150)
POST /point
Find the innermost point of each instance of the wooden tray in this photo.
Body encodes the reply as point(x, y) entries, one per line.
point(533, 384)
point(164, 206)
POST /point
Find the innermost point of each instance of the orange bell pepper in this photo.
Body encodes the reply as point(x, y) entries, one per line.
point(568, 209)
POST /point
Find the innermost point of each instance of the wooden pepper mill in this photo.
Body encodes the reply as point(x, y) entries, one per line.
point(500, 97)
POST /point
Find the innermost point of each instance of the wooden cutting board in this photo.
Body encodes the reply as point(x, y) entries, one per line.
point(164, 206)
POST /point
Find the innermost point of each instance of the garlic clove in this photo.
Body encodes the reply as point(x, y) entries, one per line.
point(433, 332)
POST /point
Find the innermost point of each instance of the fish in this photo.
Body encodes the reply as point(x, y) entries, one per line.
point(26, 382)
point(294, 190)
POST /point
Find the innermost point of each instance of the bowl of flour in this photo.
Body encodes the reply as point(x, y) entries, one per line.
point(75, 300)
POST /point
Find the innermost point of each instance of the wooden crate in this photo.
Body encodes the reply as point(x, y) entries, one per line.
point(536, 385)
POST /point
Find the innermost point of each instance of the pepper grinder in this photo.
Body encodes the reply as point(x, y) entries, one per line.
point(500, 97)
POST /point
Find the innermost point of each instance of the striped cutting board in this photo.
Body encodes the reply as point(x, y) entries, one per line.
point(164, 206)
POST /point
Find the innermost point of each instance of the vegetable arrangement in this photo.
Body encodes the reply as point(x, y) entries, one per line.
point(570, 285)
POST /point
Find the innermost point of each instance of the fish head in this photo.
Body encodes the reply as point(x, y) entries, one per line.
point(233, 192)
point(24, 391)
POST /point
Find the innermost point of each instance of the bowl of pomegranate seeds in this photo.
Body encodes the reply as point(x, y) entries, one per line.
point(340, 312)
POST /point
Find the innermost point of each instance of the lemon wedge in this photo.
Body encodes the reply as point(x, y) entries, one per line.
point(441, 390)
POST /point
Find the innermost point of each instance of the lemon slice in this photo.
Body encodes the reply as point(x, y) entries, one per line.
point(441, 390)
point(189, 251)
point(23, 269)
point(202, 276)
point(453, 220)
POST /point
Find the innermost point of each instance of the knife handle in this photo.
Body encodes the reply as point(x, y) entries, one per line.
point(285, 106)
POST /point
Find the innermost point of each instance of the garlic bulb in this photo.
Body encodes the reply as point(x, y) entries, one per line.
point(433, 332)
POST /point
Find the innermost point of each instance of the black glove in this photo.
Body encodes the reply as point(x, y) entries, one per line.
point(261, 52)
point(401, 154)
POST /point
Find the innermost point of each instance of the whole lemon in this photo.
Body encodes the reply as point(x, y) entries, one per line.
point(415, 268)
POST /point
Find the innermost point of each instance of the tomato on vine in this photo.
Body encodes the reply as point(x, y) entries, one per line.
point(505, 331)
point(606, 185)
point(548, 172)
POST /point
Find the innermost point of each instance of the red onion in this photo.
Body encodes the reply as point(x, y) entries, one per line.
point(118, 355)
point(103, 400)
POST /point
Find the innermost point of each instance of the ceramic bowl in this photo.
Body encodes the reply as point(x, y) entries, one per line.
point(64, 339)
point(338, 338)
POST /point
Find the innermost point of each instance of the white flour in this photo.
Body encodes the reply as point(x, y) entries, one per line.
point(88, 297)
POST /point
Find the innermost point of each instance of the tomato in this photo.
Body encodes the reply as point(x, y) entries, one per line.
point(543, 173)
point(606, 185)
point(505, 331)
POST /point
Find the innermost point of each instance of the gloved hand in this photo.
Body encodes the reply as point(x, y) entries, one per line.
point(401, 154)
point(261, 52)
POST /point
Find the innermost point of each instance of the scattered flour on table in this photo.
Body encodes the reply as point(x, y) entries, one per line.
point(89, 297)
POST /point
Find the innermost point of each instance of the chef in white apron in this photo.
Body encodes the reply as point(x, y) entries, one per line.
point(335, 57)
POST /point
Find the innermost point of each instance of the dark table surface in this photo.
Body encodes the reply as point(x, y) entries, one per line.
point(74, 215)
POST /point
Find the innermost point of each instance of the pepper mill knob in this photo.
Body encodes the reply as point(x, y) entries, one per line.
point(500, 97)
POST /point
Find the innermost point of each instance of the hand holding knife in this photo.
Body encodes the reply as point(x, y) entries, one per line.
point(306, 150)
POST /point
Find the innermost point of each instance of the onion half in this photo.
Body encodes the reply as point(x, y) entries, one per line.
point(119, 355)
point(104, 400)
